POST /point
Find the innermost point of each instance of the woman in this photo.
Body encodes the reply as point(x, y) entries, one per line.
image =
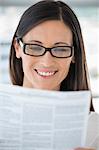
point(47, 52)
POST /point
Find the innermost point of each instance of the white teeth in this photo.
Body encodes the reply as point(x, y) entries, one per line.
point(45, 73)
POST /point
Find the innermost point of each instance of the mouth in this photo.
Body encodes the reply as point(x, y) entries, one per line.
point(45, 73)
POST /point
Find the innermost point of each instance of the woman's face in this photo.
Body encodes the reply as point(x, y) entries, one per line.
point(46, 72)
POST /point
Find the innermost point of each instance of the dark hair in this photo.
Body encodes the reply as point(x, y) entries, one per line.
point(77, 78)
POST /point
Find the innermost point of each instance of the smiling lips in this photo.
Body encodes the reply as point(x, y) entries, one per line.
point(45, 72)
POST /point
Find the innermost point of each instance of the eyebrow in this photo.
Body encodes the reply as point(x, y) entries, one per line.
point(61, 43)
point(35, 41)
point(54, 43)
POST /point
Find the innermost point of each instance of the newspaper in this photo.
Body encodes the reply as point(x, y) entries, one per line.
point(32, 119)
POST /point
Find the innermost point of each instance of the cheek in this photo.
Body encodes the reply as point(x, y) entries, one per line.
point(65, 67)
point(26, 62)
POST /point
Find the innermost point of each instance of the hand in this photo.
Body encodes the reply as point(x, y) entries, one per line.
point(84, 148)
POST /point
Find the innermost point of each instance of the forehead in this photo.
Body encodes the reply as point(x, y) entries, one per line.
point(53, 29)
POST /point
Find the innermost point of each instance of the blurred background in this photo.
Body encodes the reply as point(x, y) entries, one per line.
point(87, 12)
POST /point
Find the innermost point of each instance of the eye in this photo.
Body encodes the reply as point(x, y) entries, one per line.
point(62, 49)
point(35, 47)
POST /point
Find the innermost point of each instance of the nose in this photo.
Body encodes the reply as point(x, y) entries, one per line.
point(47, 59)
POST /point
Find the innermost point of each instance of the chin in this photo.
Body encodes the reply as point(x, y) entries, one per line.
point(47, 88)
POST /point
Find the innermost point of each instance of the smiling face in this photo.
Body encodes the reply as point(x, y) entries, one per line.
point(45, 72)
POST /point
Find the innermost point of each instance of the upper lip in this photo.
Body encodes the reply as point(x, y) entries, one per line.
point(45, 70)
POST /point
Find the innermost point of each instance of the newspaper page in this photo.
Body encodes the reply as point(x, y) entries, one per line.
point(33, 119)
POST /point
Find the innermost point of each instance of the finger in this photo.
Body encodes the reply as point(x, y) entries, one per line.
point(79, 148)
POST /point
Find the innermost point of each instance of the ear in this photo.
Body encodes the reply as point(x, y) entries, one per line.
point(17, 48)
point(73, 60)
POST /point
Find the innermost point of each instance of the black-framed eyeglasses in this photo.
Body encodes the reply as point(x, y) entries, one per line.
point(39, 50)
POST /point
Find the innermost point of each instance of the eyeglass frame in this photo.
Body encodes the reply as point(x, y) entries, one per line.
point(23, 45)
